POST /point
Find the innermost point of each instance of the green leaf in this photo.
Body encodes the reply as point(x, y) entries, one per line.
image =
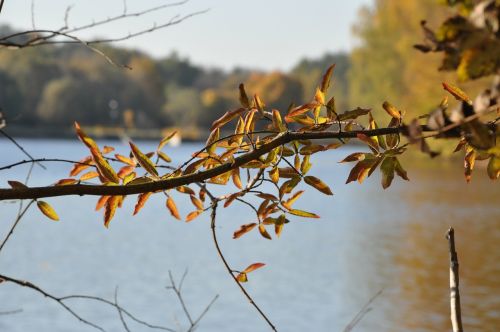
point(302, 213)
point(387, 168)
point(143, 160)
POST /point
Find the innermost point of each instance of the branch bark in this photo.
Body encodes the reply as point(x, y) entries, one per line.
point(456, 314)
point(169, 183)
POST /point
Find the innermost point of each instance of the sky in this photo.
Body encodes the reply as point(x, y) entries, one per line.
point(257, 34)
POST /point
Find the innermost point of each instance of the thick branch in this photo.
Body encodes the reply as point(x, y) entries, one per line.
point(99, 190)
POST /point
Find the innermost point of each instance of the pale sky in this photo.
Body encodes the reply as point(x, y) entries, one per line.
point(260, 34)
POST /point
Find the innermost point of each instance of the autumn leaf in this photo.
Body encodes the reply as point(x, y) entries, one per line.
point(227, 117)
point(387, 168)
point(65, 182)
point(263, 232)
point(400, 170)
point(457, 93)
point(210, 144)
point(354, 114)
point(493, 168)
point(141, 200)
point(125, 160)
point(242, 277)
point(235, 174)
point(110, 209)
point(288, 203)
point(302, 213)
point(243, 230)
point(391, 110)
point(47, 210)
point(81, 165)
point(318, 184)
point(89, 142)
point(243, 96)
point(274, 174)
point(196, 202)
point(325, 81)
point(253, 267)
point(89, 175)
point(277, 121)
point(165, 140)
point(192, 215)
point(173, 208)
point(143, 160)
point(164, 156)
point(319, 96)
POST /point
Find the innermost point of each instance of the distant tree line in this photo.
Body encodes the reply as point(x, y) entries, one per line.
point(53, 86)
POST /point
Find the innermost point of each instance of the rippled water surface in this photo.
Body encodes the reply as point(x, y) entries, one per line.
point(319, 274)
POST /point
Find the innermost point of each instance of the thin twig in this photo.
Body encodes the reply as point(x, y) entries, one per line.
point(16, 222)
point(10, 138)
point(125, 326)
point(456, 313)
point(230, 271)
point(364, 310)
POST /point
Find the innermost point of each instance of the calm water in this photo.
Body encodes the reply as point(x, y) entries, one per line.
point(319, 274)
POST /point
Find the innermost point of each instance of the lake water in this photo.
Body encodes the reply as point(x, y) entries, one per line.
point(319, 274)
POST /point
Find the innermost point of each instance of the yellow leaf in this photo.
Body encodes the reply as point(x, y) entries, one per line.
point(129, 178)
point(81, 165)
point(494, 167)
point(105, 170)
point(107, 149)
point(242, 277)
point(306, 165)
point(164, 156)
point(318, 184)
point(89, 142)
point(291, 200)
point(125, 160)
point(210, 144)
point(319, 96)
point(65, 182)
point(391, 110)
point(302, 213)
point(165, 140)
point(173, 208)
point(143, 160)
point(47, 210)
point(277, 121)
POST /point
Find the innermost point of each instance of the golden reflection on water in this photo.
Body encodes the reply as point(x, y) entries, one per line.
point(436, 200)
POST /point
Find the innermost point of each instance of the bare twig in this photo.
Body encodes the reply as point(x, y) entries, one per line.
point(16, 222)
point(193, 323)
point(456, 314)
point(10, 138)
point(125, 326)
point(11, 312)
point(1, 5)
point(50, 296)
point(228, 268)
point(364, 310)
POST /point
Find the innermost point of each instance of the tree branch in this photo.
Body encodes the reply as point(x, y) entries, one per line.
point(169, 183)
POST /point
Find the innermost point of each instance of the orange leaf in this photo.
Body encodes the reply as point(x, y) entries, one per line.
point(185, 190)
point(227, 117)
point(65, 182)
point(109, 212)
point(47, 210)
point(77, 168)
point(173, 208)
point(318, 184)
point(291, 200)
point(243, 230)
point(196, 202)
point(124, 171)
point(107, 149)
point(143, 160)
point(105, 170)
point(193, 215)
point(101, 202)
point(125, 160)
point(457, 93)
point(235, 174)
point(89, 175)
point(253, 267)
point(210, 144)
point(89, 142)
point(141, 200)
